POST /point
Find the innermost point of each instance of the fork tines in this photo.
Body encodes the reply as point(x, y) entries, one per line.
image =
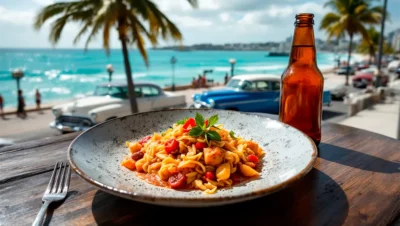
point(59, 181)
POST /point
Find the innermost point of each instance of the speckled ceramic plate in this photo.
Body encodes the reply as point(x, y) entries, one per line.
point(96, 155)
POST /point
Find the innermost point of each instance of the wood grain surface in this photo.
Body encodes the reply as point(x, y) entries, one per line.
point(356, 181)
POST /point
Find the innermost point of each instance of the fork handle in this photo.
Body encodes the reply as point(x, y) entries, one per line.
point(40, 216)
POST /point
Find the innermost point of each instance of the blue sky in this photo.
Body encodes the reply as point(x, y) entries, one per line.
point(216, 21)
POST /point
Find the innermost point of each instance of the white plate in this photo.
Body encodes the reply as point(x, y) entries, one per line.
point(96, 155)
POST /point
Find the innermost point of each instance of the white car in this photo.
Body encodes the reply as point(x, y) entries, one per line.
point(111, 101)
point(394, 65)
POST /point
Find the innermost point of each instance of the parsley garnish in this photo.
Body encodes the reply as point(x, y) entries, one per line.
point(232, 134)
point(202, 129)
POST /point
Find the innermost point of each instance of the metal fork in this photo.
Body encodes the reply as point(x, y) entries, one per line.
point(56, 190)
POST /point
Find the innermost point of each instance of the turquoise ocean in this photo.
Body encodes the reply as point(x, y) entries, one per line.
point(62, 74)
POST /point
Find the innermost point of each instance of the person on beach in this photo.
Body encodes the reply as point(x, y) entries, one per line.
point(204, 81)
point(226, 79)
point(194, 82)
point(1, 106)
point(38, 99)
point(199, 81)
point(21, 105)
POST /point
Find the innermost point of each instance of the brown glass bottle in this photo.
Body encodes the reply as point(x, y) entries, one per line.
point(302, 82)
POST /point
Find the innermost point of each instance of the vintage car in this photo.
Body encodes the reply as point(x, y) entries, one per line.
point(111, 101)
point(343, 70)
point(367, 77)
point(249, 93)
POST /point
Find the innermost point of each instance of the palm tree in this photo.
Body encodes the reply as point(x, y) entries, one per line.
point(369, 45)
point(101, 15)
point(349, 18)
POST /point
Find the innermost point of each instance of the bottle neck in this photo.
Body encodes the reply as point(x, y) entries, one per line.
point(303, 45)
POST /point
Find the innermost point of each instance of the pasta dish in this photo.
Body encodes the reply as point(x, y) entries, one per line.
point(194, 153)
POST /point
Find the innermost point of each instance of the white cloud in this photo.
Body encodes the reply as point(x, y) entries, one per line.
point(225, 17)
point(280, 11)
point(186, 21)
point(43, 2)
point(249, 18)
point(173, 6)
point(16, 17)
point(312, 7)
point(209, 5)
point(279, 15)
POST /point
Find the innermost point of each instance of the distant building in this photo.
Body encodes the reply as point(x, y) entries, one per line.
point(394, 39)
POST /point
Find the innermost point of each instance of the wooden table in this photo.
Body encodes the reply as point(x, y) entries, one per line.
point(356, 181)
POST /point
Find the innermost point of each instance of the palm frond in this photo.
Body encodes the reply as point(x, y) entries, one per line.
point(135, 21)
point(329, 19)
point(363, 31)
point(82, 31)
point(110, 18)
point(49, 12)
point(140, 44)
point(97, 24)
point(56, 29)
point(194, 3)
point(166, 26)
point(106, 36)
point(335, 31)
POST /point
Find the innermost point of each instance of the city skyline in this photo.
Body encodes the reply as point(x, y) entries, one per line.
point(255, 21)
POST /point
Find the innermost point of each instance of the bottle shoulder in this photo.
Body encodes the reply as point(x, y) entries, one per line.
point(304, 71)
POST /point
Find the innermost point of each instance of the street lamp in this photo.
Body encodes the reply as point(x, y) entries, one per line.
point(17, 74)
point(232, 61)
point(110, 70)
point(173, 62)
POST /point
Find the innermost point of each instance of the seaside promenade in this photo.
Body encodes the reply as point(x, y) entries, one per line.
point(381, 118)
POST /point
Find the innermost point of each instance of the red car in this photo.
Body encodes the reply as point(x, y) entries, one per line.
point(362, 80)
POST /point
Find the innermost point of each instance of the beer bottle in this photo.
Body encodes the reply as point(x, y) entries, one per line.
point(302, 82)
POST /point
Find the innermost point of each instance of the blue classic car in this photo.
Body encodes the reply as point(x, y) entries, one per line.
point(251, 93)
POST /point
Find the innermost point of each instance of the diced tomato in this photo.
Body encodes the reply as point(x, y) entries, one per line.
point(144, 140)
point(200, 145)
point(210, 175)
point(206, 123)
point(177, 180)
point(171, 146)
point(137, 155)
point(253, 158)
point(189, 124)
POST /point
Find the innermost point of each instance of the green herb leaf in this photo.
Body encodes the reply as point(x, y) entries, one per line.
point(196, 131)
point(212, 120)
point(207, 139)
point(213, 135)
point(180, 122)
point(215, 127)
point(199, 120)
point(232, 134)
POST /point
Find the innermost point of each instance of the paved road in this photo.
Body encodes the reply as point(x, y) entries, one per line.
point(36, 126)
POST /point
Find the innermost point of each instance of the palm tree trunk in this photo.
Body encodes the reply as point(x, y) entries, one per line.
point(131, 86)
point(348, 59)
